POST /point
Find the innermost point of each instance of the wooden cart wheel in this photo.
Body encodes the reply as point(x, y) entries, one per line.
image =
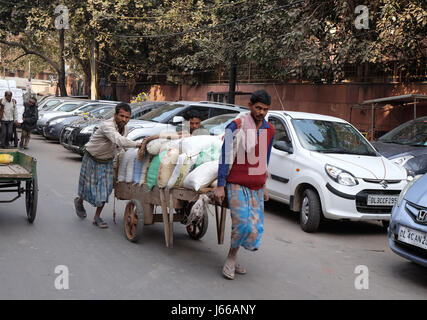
point(133, 216)
point(31, 196)
point(197, 230)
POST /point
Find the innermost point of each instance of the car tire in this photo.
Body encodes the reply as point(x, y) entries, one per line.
point(311, 211)
point(385, 224)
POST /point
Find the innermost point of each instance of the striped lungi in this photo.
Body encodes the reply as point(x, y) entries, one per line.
point(96, 180)
point(247, 216)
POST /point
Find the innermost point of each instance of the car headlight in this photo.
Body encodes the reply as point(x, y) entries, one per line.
point(88, 129)
point(404, 190)
point(401, 161)
point(340, 176)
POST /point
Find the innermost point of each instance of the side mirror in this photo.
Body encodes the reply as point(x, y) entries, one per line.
point(284, 146)
point(178, 119)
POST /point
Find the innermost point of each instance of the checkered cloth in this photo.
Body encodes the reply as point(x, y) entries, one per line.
point(96, 181)
point(247, 216)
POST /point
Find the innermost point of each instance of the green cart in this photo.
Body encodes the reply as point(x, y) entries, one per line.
point(20, 176)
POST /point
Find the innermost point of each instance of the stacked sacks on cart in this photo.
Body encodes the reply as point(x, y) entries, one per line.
point(173, 162)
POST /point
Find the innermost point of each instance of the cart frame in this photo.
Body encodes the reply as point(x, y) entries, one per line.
point(22, 169)
point(141, 208)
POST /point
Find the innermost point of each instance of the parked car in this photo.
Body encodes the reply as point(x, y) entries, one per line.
point(54, 126)
point(74, 136)
point(168, 117)
point(324, 168)
point(407, 234)
point(406, 145)
point(68, 108)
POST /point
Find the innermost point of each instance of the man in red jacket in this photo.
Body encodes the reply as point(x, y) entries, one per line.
point(242, 175)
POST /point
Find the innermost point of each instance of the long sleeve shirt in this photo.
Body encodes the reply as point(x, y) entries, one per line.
point(10, 111)
point(230, 134)
point(107, 141)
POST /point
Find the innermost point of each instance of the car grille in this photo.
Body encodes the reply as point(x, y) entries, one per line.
point(381, 180)
point(412, 209)
point(80, 139)
point(362, 198)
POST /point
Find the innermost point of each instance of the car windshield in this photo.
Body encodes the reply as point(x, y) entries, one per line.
point(68, 107)
point(412, 133)
point(89, 108)
point(161, 114)
point(50, 105)
point(331, 137)
point(110, 113)
point(101, 112)
point(217, 125)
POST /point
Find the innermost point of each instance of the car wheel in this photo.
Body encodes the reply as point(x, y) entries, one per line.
point(385, 224)
point(311, 211)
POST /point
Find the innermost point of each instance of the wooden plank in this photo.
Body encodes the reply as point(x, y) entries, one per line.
point(177, 217)
point(171, 210)
point(165, 217)
point(14, 171)
point(222, 225)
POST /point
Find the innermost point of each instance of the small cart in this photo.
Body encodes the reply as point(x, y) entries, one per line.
point(175, 205)
point(20, 176)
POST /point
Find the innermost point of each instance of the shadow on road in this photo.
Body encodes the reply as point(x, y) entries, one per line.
point(328, 226)
point(410, 271)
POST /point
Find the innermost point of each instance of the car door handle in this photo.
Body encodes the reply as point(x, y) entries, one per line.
point(280, 179)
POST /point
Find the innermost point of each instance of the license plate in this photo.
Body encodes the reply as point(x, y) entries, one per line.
point(410, 236)
point(382, 200)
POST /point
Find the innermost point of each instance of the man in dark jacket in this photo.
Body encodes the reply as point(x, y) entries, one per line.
point(29, 122)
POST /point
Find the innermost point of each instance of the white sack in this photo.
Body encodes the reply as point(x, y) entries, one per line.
point(202, 176)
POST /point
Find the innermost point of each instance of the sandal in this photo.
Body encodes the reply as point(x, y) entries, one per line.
point(228, 271)
point(240, 269)
point(100, 223)
point(80, 209)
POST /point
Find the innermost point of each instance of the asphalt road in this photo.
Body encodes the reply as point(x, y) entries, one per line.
point(102, 264)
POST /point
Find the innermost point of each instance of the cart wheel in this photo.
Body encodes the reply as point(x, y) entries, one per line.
point(197, 230)
point(133, 216)
point(31, 196)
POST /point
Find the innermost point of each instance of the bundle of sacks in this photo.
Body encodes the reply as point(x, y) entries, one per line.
point(189, 162)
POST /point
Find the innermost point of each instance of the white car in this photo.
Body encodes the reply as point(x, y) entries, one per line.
point(324, 168)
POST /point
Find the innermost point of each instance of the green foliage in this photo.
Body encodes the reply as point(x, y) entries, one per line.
point(178, 41)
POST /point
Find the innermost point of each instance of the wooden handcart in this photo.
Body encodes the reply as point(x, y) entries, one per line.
point(20, 176)
point(175, 207)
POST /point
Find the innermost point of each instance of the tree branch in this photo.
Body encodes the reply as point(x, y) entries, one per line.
point(28, 51)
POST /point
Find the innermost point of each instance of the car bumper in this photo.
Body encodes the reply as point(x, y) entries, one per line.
point(350, 203)
point(400, 217)
point(51, 132)
point(73, 140)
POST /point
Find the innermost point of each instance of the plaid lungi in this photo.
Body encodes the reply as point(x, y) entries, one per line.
point(96, 181)
point(247, 216)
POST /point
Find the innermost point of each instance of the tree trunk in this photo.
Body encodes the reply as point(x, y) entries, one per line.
point(93, 73)
point(61, 75)
point(233, 78)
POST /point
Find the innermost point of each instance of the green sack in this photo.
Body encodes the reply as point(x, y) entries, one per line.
point(211, 153)
point(153, 171)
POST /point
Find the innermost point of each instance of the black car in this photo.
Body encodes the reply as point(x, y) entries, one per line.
point(73, 137)
point(406, 145)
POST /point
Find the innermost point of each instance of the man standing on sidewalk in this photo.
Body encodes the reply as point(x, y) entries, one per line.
point(242, 170)
point(29, 122)
point(96, 174)
point(9, 117)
